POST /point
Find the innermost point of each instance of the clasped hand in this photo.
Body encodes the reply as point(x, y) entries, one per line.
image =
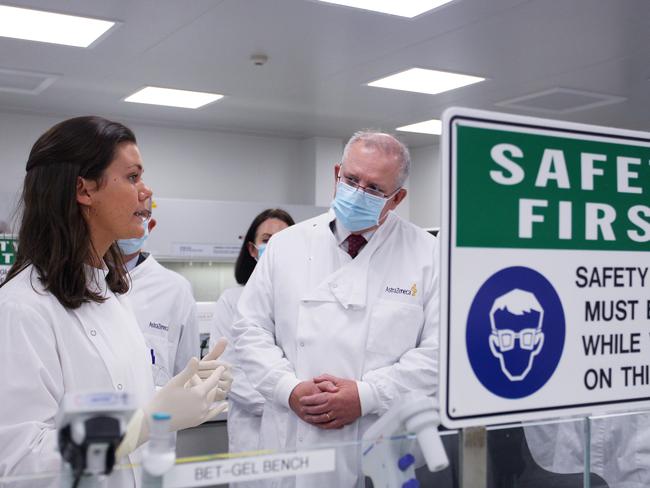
point(327, 402)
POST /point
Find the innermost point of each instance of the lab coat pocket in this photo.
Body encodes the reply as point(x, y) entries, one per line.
point(394, 327)
point(160, 367)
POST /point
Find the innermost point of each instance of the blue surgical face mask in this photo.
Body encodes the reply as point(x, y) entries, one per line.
point(260, 250)
point(356, 209)
point(133, 245)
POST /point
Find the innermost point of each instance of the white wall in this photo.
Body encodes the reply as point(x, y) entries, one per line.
point(185, 163)
point(424, 191)
point(17, 135)
point(223, 166)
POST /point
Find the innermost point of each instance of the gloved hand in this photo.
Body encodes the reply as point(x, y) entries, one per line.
point(208, 364)
point(187, 403)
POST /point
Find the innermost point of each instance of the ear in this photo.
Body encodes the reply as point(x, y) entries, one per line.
point(252, 250)
point(399, 196)
point(152, 223)
point(397, 199)
point(337, 170)
point(85, 189)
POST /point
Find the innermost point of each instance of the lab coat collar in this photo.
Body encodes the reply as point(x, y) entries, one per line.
point(96, 278)
point(348, 285)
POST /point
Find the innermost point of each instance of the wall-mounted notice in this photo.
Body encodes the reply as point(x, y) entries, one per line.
point(545, 282)
point(7, 254)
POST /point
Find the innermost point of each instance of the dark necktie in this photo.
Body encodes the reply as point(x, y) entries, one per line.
point(355, 243)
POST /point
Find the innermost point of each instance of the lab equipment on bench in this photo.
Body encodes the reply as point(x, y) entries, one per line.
point(391, 454)
point(92, 426)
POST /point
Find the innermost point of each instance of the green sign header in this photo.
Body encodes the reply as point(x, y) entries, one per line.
point(527, 188)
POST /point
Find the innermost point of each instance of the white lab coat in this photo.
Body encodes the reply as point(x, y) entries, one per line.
point(310, 309)
point(166, 312)
point(245, 404)
point(620, 448)
point(49, 350)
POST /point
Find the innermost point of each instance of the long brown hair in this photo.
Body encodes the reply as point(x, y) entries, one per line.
point(53, 236)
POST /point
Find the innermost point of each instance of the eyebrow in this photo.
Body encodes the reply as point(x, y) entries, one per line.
point(137, 165)
point(372, 184)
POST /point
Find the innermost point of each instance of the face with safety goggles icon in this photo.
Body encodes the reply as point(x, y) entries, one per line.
point(516, 319)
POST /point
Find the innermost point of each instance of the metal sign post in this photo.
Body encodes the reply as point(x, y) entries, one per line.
point(473, 457)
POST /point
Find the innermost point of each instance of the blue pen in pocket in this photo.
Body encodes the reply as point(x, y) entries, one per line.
point(153, 357)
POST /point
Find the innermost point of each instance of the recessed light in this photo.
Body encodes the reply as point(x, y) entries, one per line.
point(37, 25)
point(428, 81)
point(410, 8)
point(170, 97)
point(433, 126)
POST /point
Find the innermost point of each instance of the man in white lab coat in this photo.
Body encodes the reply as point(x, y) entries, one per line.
point(164, 307)
point(335, 327)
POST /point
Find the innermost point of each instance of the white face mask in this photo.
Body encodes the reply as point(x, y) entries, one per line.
point(260, 250)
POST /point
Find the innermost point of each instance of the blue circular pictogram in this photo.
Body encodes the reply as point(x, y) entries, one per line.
point(515, 332)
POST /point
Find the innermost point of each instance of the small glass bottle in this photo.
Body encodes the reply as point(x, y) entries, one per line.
point(160, 453)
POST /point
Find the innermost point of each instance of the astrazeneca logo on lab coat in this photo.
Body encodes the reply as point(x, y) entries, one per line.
point(515, 332)
point(403, 291)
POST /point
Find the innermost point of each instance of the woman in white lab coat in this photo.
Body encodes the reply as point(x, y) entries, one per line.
point(65, 325)
point(245, 405)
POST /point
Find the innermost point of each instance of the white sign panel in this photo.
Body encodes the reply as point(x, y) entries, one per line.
point(251, 468)
point(545, 269)
point(206, 251)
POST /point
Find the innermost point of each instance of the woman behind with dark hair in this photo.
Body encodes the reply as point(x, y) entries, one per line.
point(65, 325)
point(245, 404)
point(274, 220)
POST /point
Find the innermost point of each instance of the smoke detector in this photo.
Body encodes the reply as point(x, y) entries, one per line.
point(259, 59)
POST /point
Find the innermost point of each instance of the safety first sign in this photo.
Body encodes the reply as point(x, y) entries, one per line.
point(7, 254)
point(545, 283)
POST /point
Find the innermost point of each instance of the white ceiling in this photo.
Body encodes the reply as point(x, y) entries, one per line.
point(321, 55)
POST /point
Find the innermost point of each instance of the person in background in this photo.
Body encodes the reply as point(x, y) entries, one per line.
point(245, 405)
point(164, 308)
point(66, 325)
point(340, 317)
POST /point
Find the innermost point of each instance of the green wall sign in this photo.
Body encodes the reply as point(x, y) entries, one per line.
point(7, 251)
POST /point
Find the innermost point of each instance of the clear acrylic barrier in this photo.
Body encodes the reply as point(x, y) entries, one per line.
point(533, 455)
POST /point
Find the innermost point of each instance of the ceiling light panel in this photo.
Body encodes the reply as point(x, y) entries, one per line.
point(404, 8)
point(169, 97)
point(432, 126)
point(36, 25)
point(427, 81)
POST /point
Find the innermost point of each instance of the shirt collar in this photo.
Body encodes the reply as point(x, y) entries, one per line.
point(132, 263)
point(341, 233)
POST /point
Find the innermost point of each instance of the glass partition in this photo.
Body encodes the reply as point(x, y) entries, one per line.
point(532, 455)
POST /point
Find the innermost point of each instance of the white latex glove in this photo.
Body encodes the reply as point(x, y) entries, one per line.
point(211, 362)
point(188, 405)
